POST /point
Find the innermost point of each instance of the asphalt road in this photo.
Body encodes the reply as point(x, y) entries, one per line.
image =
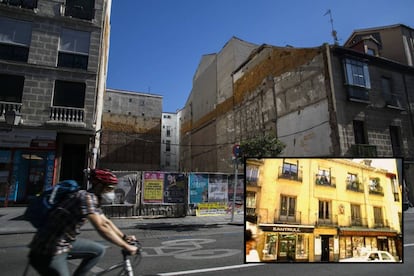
point(206, 251)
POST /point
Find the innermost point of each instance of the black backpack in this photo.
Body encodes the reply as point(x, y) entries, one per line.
point(40, 206)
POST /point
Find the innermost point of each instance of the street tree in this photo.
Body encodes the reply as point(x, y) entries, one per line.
point(266, 145)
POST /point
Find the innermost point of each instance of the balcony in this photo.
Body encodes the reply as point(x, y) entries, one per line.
point(358, 222)
point(376, 190)
point(327, 181)
point(67, 114)
point(327, 221)
point(282, 216)
point(290, 175)
point(363, 150)
point(354, 185)
point(8, 106)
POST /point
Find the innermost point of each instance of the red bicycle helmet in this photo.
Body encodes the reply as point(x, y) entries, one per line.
point(103, 176)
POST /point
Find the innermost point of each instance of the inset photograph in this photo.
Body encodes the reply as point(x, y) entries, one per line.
point(329, 210)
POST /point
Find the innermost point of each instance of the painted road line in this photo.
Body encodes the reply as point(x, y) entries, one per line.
point(408, 244)
point(206, 270)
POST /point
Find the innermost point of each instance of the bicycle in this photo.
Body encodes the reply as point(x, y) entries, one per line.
point(126, 266)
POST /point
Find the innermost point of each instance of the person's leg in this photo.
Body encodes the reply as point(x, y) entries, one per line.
point(50, 266)
point(89, 251)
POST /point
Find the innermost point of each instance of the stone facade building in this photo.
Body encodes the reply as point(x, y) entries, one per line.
point(53, 65)
point(170, 139)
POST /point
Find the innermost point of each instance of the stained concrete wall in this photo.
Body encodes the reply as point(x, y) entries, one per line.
point(131, 131)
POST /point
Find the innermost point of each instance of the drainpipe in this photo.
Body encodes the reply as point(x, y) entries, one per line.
point(102, 74)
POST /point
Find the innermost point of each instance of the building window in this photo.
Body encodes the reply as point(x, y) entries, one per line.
point(356, 215)
point(357, 79)
point(378, 220)
point(290, 171)
point(324, 213)
point(82, 9)
point(252, 174)
point(370, 52)
point(357, 73)
point(26, 4)
point(69, 94)
point(395, 188)
point(251, 203)
point(359, 132)
point(74, 49)
point(167, 145)
point(352, 183)
point(391, 99)
point(287, 207)
point(11, 88)
point(395, 135)
point(168, 131)
point(374, 186)
point(15, 37)
point(324, 177)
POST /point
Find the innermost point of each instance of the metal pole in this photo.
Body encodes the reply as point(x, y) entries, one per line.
point(236, 160)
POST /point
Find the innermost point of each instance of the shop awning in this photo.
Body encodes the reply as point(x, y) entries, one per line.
point(346, 231)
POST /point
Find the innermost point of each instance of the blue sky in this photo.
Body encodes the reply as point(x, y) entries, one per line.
point(156, 45)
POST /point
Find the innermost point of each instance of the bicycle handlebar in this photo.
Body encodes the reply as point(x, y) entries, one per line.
point(134, 243)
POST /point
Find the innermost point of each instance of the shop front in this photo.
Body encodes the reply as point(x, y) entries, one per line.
point(285, 243)
point(27, 164)
point(353, 242)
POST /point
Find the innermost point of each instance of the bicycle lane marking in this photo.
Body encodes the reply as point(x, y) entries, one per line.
point(211, 269)
point(188, 249)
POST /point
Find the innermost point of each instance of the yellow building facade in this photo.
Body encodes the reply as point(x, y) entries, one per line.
point(323, 210)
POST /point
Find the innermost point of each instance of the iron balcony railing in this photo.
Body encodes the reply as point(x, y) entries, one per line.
point(285, 216)
point(354, 185)
point(291, 175)
point(323, 180)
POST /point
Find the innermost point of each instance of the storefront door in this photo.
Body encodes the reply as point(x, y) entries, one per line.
point(287, 245)
point(327, 248)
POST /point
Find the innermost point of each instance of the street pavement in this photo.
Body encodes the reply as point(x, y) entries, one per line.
point(12, 222)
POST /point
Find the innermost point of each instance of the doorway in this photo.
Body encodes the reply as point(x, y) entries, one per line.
point(287, 248)
point(327, 242)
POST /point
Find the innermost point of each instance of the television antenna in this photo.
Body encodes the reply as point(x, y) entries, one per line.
point(333, 33)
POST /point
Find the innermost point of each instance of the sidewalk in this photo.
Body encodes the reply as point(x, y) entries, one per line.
point(11, 221)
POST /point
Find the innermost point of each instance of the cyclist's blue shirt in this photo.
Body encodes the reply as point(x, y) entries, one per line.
point(64, 224)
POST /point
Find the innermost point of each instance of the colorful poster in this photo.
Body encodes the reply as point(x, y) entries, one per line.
point(217, 188)
point(153, 187)
point(198, 188)
point(175, 188)
point(239, 188)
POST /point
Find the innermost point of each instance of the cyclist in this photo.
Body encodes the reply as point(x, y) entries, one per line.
point(53, 243)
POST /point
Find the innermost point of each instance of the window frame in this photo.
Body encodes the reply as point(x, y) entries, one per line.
point(73, 49)
point(356, 69)
point(15, 39)
point(70, 86)
point(16, 82)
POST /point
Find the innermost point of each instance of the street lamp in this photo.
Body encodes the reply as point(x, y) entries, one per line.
point(12, 117)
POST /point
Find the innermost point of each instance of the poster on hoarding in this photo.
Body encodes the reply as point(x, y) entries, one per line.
point(126, 190)
point(153, 187)
point(198, 188)
point(239, 188)
point(175, 188)
point(217, 188)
